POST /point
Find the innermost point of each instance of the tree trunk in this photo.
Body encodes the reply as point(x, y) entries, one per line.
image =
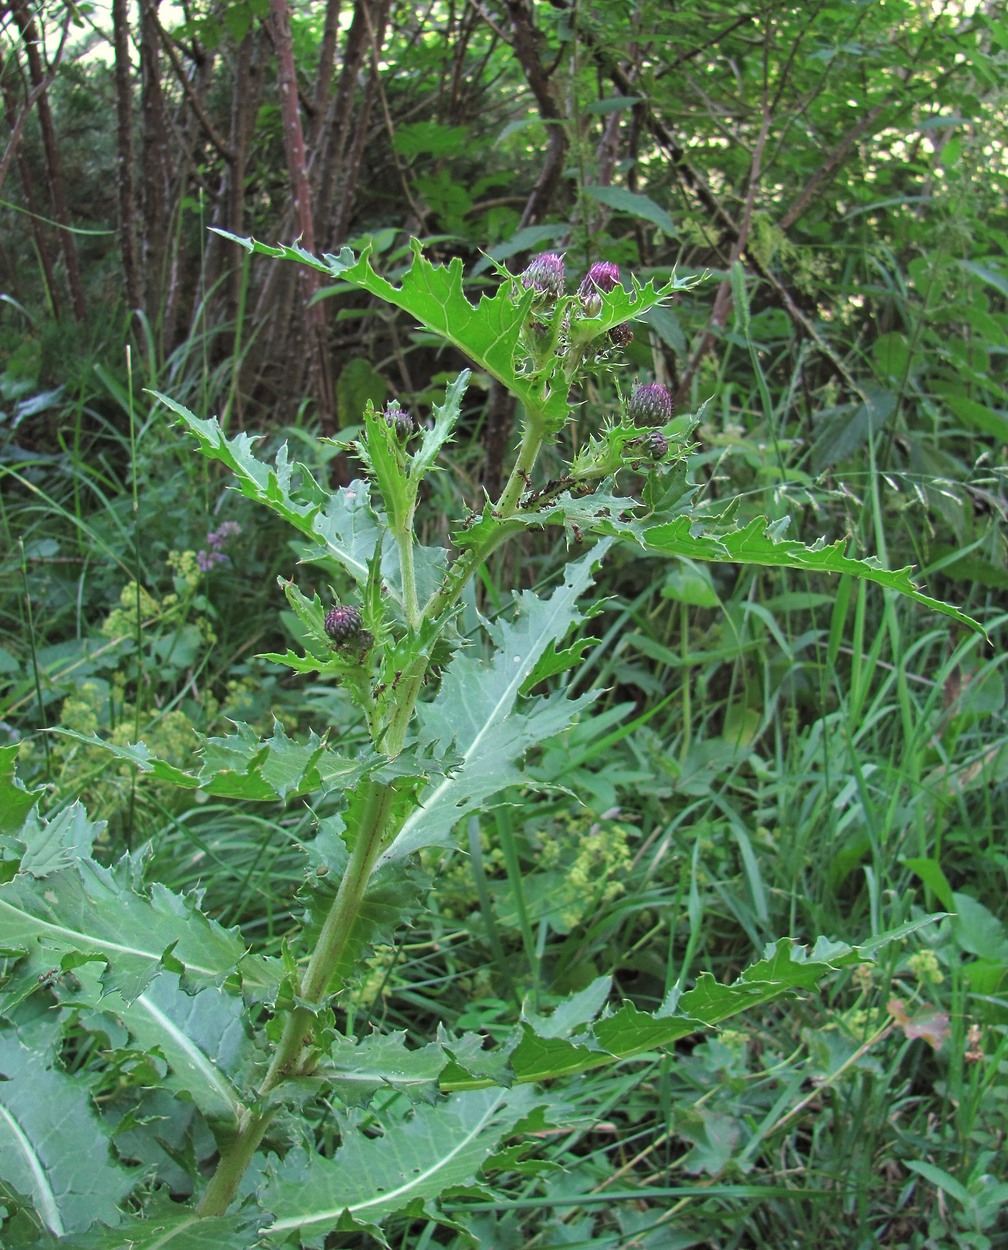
point(125, 156)
point(54, 166)
point(297, 169)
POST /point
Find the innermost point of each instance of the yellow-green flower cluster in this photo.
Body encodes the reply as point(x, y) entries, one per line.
point(924, 966)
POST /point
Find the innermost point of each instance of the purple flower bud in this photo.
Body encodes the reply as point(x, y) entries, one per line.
point(545, 275)
point(399, 419)
point(602, 276)
point(342, 622)
point(650, 404)
point(656, 444)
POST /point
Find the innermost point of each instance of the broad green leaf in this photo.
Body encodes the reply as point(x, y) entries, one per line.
point(358, 384)
point(15, 801)
point(634, 204)
point(369, 1178)
point(343, 520)
point(844, 432)
point(245, 766)
point(756, 544)
point(357, 1070)
point(167, 1227)
point(477, 714)
point(544, 1055)
point(88, 911)
point(202, 1037)
point(52, 1145)
point(982, 417)
point(978, 930)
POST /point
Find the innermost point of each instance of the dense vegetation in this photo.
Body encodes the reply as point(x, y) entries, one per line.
point(728, 736)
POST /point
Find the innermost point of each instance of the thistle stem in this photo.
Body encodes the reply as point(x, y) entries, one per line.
point(292, 1056)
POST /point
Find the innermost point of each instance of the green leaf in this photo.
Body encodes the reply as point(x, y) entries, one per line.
point(628, 1031)
point(756, 544)
point(88, 911)
point(634, 205)
point(52, 1145)
point(978, 930)
point(489, 333)
point(445, 419)
point(245, 766)
point(974, 415)
point(843, 432)
point(15, 801)
point(56, 843)
point(202, 1037)
point(357, 385)
point(166, 1227)
point(357, 1070)
point(414, 1161)
point(432, 294)
point(477, 715)
point(344, 519)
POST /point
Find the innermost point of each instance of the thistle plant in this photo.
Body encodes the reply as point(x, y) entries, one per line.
point(446, 726)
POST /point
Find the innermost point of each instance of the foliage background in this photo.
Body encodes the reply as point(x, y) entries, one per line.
point(774, 754)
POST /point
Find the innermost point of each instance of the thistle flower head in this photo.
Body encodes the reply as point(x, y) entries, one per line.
point(342, 622)
point(602, 276)
point(399, 419)
point(650, 404)
point(545, 275)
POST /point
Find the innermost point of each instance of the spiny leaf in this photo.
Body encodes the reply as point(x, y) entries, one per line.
point(166, 1227)
point(56, 843)
point(15, 801)
point(476, 713)
point(445, 419)
point(52, 1146)
point(92, 912)
point(245, 766)
point(488, 333)
point(754, 543)
point(344, 519)
point(544, 1054)
point(414, 1161)
point(202, 1036)
point(357, 1070)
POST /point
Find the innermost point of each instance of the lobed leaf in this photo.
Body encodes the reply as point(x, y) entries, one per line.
point(245, 766)
point(413, 1161)
point(89, 912)
point(15, 801)
point(163, 1229)
point(201, 1036)
point(355, 1071)
point(477, 716)
point(545, 1051)
point(756, 543)
point(52, 1146)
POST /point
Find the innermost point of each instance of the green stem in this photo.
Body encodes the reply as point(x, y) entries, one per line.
point(407, 570)
point(293, 1057)
point(528, 453)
